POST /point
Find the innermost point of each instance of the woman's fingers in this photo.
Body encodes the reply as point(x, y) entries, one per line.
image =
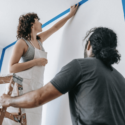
point(75, 5)
point(73, 9)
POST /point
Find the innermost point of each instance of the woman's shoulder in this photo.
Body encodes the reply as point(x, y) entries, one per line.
point(20, 42)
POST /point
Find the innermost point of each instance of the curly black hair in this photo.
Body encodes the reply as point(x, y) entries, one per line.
point(25, 24)
point(104, 42)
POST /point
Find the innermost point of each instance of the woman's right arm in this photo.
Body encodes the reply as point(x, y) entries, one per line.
point(16, 55)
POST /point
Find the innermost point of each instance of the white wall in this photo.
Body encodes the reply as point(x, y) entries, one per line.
point(2, 86)
point(55, 112)
point(5, 67)
point(46, 10)
point(6, 60)
point(66, 44)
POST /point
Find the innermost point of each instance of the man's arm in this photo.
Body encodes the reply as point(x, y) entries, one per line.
point(64, 81)
point(33, 98)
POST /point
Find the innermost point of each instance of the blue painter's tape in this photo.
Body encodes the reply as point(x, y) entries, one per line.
point(1, 60)
point(50, 21)
point(55, 18)
point(3, 53)
point(123, 3)
point(61, 14)
point(10, 45)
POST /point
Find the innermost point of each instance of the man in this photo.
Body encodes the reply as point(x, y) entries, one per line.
point(96, 89)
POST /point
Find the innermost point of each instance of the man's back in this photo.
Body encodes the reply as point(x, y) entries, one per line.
point(96, 94)
point(99, 97)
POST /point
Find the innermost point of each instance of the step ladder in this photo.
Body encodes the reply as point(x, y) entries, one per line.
point(12, 79)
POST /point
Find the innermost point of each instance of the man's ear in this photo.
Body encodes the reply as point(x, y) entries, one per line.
point(88, 45)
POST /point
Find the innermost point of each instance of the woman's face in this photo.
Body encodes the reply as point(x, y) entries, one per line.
point(37, 26)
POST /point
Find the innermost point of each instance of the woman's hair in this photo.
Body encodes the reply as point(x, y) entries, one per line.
point(104, 43)
point(24, 26)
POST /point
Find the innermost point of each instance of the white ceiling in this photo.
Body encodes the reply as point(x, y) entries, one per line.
point(10, 11)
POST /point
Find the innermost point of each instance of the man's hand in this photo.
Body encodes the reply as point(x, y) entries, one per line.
point(5, 100)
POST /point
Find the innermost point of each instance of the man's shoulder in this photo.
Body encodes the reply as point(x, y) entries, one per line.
point(91, 63)
point(84, 63)
point(88, 60)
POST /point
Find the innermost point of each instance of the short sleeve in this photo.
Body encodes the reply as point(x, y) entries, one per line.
point(68, 77)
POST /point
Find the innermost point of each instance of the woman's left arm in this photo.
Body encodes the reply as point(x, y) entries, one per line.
point(44, 35)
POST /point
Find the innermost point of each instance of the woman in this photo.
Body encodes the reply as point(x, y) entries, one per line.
point(29, 48)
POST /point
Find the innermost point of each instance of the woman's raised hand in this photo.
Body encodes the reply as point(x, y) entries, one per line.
point(41, 61)
point(73, 9)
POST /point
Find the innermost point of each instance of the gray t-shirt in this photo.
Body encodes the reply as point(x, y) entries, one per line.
point(96, 94)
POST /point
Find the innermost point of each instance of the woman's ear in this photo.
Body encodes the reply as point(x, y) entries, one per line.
point(31, 25)
point(88, 45)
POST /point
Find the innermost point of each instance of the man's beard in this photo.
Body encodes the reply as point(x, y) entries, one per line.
point(85, 53)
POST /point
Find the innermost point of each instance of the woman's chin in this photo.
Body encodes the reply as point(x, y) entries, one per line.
point(39, 31)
